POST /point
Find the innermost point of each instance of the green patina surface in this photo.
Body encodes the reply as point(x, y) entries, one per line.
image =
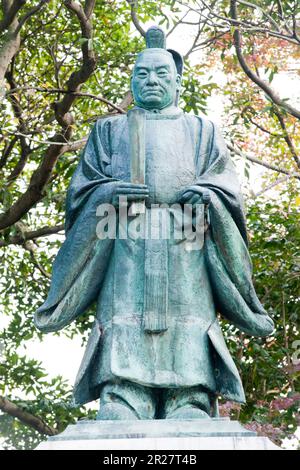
point(156, 349)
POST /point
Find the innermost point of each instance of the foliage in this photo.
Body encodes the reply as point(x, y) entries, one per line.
point(270, 378)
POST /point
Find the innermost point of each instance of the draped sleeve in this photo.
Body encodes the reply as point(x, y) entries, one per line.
point(80, 264)
point(226, 251)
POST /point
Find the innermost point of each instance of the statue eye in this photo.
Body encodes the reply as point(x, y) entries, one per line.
point(162, 73)
point(142, 74)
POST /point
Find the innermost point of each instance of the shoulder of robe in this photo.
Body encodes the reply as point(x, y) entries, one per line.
point(111, 120)
point(204, 122)
point(105, 128)
point(109, 125)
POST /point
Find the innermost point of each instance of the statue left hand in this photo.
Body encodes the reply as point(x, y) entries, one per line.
point(188, 196)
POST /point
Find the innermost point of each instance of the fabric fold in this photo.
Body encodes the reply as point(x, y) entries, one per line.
point(81, 266)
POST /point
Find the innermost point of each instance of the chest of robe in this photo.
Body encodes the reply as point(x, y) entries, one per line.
point(181, 354)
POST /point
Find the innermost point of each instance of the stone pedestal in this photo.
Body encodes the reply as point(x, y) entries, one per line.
point(205, 434)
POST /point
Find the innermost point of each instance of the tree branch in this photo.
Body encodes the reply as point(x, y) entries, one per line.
point(30, 13)
point(34, 192)
point(135, 20)
point(252, 75)
point(12, 40)
point(208, 41)
point(25, 417)
point(89, 8)
point(272, 185)
point(32, 235)
point(42, 174)
point(178, 22)
point(263, 12)
point(287, 138)
point(77, 8)
point(7, 151)
point(68, 146)
point(30, 247)
point(25, 148)
point(80, 76)
point(267, 165)
point(9, 48)
point(74, 93)
point(10, 14)
point(186, 55)
point(248, 26)
point(263, 129)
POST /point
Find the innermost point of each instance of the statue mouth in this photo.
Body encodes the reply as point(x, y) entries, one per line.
point(152, 92)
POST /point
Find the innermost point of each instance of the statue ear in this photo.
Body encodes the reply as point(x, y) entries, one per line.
point(178, 87)
point(178, 82)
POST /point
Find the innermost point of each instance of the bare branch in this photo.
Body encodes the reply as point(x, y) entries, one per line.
point(272, 185)
point(30, 247)
point(135, 20)
point(32, 235)
point(194, 43)
point(287, 138)
point(7, 151)
point(263, 129)
point(69, 145)
point(74, 93)
point(209, 41)
point(252, 75)
point(29, 419)
point(257, 7)
point(248, 26)
point(178, 23)
point(25, 148)
point(267, 165)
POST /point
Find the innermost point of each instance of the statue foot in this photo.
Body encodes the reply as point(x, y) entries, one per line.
point(188, 412)
point(115, 411)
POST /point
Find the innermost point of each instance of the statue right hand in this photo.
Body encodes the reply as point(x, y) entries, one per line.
point(130, 191)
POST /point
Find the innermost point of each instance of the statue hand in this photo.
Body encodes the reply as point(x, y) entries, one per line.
point(190, 197)
point(130, 191)
point(194, 195)
point(266, 325)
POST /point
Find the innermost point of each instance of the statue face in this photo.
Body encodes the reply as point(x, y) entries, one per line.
point(155, 80)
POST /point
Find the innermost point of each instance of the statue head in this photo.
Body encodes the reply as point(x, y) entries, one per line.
point(156, 78)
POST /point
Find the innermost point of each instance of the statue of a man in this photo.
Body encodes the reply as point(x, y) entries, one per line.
point(156, 349)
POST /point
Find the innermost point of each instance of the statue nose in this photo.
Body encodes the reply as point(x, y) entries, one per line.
point(152, 78)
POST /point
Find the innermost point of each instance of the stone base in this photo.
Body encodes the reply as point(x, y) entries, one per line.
point(204, 434)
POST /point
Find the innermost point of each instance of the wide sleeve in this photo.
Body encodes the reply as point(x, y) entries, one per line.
point(227, 256)
point(79, 267)
point(93, 173)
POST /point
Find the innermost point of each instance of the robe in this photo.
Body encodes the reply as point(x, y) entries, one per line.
point(156, 303)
